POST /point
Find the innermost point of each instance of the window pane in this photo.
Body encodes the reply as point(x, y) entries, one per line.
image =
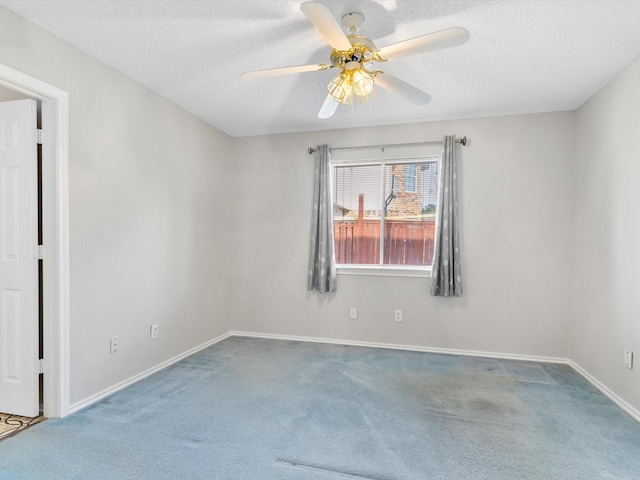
point(410, 178)
point(410, 202)
point(356, 214)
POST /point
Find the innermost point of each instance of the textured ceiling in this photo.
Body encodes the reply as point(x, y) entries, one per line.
point(524, 56)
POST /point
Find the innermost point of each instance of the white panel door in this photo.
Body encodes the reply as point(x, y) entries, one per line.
point(19, 392)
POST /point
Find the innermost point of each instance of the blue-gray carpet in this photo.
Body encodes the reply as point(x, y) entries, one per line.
point(265, 409)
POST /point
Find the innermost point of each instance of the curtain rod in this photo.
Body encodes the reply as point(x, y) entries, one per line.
point(462, 141)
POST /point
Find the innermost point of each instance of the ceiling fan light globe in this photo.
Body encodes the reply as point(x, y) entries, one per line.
point(352, 82)
point(348, 98)
point(338, 87)
point(362, 83)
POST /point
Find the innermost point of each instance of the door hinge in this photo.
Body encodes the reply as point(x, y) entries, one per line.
point(40, 366)
point(38, 252)
point(39, 136)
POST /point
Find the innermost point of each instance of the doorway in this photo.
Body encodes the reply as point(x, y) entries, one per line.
point(55, 235)
point(20, 270)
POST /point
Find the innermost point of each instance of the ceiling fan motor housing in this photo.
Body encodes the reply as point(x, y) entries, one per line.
point(361, 51)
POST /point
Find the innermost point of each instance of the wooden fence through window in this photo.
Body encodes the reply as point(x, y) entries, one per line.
point(406, 242)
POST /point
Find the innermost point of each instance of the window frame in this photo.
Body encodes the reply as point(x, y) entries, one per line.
point(390, 270)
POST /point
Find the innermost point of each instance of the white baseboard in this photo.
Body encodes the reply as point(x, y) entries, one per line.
point(450, 351)
point(608, 393)
point(411, 348)
point(136, 378)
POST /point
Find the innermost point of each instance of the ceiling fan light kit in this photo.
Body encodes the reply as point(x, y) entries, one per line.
point(351, 82)
point(353, 54)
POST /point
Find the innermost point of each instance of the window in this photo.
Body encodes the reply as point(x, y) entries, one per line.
point(410, 178)
point(395, 197)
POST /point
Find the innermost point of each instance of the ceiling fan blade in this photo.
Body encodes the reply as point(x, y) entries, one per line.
point(328, 108)
point(326, 25)
point(270, 72)
point(402, 88)
point(450, 37)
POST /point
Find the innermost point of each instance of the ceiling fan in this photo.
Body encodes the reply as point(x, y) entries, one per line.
point(353, 55)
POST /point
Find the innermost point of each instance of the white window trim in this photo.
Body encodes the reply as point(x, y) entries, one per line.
point(416, 271)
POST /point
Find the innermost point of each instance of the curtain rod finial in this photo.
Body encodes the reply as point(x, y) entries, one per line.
point(463, 141)
point(311, 150)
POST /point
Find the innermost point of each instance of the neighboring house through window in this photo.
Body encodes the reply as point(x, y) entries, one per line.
point(394, 196)
point(410, 177)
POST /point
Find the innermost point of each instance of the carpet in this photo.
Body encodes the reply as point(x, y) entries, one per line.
point(268, 409)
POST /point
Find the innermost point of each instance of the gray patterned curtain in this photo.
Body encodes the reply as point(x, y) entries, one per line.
point(322, 265)
point(446, 274)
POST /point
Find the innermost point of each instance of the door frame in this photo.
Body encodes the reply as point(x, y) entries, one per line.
point(55, 224)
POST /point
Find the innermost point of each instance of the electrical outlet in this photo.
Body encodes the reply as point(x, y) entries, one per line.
point(114, 344)
point(154, 331)
point(628, 358)
point(353, 313)
point(398, 316)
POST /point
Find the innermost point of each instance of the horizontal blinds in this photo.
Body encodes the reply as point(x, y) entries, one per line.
point(384, 213)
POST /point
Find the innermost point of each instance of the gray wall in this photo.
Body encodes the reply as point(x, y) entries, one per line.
point(8, 95)
point(605, 301)
point(516, 187)
point(149, 223)
point(173, 222)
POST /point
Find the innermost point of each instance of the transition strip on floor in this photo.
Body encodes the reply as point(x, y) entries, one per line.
point(13, 424)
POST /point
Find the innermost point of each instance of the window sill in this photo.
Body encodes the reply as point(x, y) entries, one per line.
point(384, 271)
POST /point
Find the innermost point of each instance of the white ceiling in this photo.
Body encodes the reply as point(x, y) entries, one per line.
point(524, 56)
